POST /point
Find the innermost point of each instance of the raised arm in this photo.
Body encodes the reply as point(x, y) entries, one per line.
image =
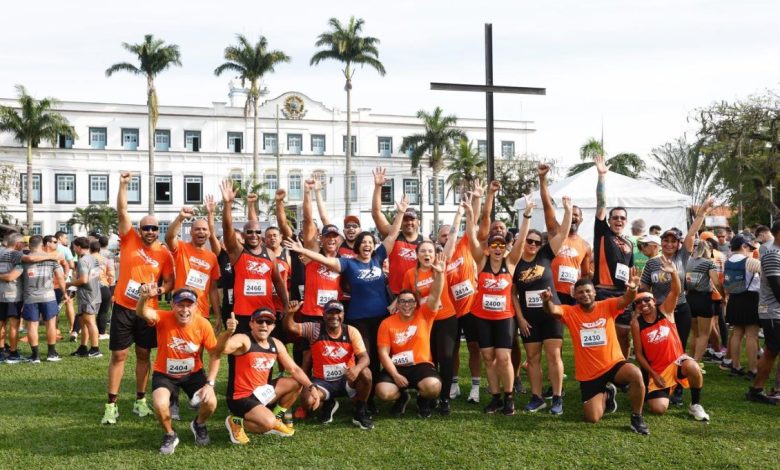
point(380, 221)
point(123, 217)
point(251, 207)
point(631, 288)
point(601, 188)
point(147, 291)
point(670, 302)
point(449, 247)
point(227, 342)
point(309, 228)
point(434, 296)
point(487, 211)
point(697, 223)
point(321, 210)
point(553, 227)
point(172, 235)
point(281, 214)
point(395, 229)
point(290, 325)
point(556, 240)
point(331, 263)
point(525, 225)
point(211, 208)
point(281, 287)
point(471, 232)
point(228, 234)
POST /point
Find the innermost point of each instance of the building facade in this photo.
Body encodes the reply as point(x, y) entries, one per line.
point(196, 147)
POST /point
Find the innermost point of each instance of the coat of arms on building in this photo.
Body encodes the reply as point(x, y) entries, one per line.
point(293, 107)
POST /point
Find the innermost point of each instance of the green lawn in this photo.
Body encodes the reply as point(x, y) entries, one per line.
point(50, 416)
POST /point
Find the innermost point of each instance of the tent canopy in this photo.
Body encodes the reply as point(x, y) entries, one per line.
point(641, 198)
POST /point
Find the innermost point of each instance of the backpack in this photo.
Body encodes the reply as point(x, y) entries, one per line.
point(735, 280)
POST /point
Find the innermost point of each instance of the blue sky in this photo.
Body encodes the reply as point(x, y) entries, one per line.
point(641, 67)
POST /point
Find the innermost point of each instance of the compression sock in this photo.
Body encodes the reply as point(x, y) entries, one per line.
point(34, 350)
point(279, 410)
point(475, 381)
point(695, 396)
point(112, 397)
point(140, 395)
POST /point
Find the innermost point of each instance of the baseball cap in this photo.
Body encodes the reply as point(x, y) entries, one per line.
point(672, 232)
point(650, 239)
point(264, 312)
point(333, 305)
point(410, 213)
point(330, 229)
point(706, 235)
point(742, 239)
point(184, 294)
point(352, 218)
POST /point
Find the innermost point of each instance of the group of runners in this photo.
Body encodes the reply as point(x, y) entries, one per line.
point(371, 318)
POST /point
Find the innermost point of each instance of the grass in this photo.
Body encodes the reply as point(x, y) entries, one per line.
point(50, 416)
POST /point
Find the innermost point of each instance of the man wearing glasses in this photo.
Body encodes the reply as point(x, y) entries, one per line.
point(144, 261)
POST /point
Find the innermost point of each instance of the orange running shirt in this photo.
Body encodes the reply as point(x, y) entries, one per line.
point(567, 263)
point(661, 344)
point(250, 370)
point(424, 281)
point(140, 264)
point(409, 341)
point(196, 268)
point(462, 278)
point(178, 347)
point(493, 300)
point(596, 347)
point(253, 281)
point(401, 259)
point(322, 285)
point(331, 357)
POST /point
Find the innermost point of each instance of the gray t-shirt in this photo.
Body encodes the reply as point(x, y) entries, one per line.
point(697, 274)
point(39, 281)
point(89, 294)
point(769, 305)
point(10, 260)
point(659, 281)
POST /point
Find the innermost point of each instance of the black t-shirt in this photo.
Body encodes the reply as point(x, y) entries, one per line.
point(533, 277)
point(613, 256)
point(298, 277)
point(225, 282)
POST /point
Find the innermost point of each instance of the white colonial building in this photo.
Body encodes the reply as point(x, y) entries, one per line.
point(196, 147)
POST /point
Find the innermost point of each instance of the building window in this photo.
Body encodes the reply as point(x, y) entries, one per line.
point(235, 141)
point(66, 189)
point(270, 183)
point(98, 189)
point(130, 139)
point(36, 187)
point(430, 191)
point(163, 224)
point(319, 175)
point(387, 192)
point(294, 186)
point(269, 142)
point(98, 137)
point(318, 144)
point(482, 148)
point(163, 193)
point(37, 229)
point(294, 144)
point(237, 177)
point(63, 227)
point(412, 189)
point(134, 190)
point(353, 195)
point(193, 189)
point(344, 145)
point(65, 141)
point(162, 140)
point(385, 146)
point(192, 141)
point(507, 148)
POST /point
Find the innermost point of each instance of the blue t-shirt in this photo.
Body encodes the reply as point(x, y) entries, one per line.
point(367, 282)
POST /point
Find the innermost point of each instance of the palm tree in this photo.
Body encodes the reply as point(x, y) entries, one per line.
point(465, 166)
point(685, 168)
point(628, 164)
point(36, 122)
point(252, 63)
point(99, 217)
point(436, 142)
point(345, 44)
point(154, 57)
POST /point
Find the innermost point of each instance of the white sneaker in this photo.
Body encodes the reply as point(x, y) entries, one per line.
point(103, 337)
point(473, 394)
point(454, 390)
point(698, 413)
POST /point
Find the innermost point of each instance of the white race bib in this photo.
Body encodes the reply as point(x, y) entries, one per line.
point(324, 296)
point(621, 272)
point(334, 371)
point(405, 358)
point(254, 287)
point(494, 303)
point(567, 274)
point(593, 337)
point(763, 309)
point(197, 279)
point(265, 394)
point(180, 366)
point(133, 290)
point(533, 298)
point(462, 290)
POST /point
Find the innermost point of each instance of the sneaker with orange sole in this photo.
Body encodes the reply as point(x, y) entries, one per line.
point(235, 427)
point(281, 430)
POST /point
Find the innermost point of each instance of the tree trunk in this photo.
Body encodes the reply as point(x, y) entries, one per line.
point(29, 188)
point(255, 154)
point(348, 158)
point(152, 126)
point(435, 199)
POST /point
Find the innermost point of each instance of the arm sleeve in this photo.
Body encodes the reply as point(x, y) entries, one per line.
point(307, 331)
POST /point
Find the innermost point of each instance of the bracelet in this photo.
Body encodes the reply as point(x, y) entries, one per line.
point(527, 216)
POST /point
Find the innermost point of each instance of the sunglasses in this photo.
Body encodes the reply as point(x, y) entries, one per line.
point(407, 301)
point(531, 241)
point(643, 300)
point(267, 321)
point(149, 228)
point(352, 226)
point(253, 232)
point(618, 217)
point(498, 245)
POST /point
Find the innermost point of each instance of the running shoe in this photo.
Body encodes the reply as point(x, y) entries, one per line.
point(518, 387)
point(329, 408)
point(725, 365)
point(759, 396)
point(473, 395)
point(33, 359)
point(174, 410)
point(444, 408)
point(169, 443)
point(281, 430)
point(734, 372)
point(80, 352)
point(201, 433)
point(140, 408)
point(611, 405)
point(557, 406)
point(399, 407)
point(548, 394)
point(424, 407)
point(287, 419)
point(14, 359)
point(362, 420)
point(235, 427)
point(104, 337)
point(495, 404)
point(750, 375)
point(3, 356)
point(94, 354)
point(110, 414)
point(775, 393)
point(698, 413)
point(537, 403)
point(509, 407)
point(454, 390)
point(53, 357)
point(638, 425)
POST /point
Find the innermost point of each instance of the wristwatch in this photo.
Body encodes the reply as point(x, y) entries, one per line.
point(211, 382)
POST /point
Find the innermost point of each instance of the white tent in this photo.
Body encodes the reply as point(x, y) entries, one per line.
point(641, 198)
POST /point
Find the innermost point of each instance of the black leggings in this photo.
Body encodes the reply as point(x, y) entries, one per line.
point(105, 306)
point(444, 334)
point(368, 328)
point(717, 307)
point(682, 319)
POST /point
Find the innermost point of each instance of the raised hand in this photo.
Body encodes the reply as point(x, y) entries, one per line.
point(149, 290)
point(529, 205)
point(566, 201)
point(124, 178)
point(478, 188)
point(546, 295)
point(293, 245)
point(708, 204)
point(542, 170)
point(211, 204)
point(495, 186)
point(318, 184)
point(601, 165)
point(634, 279)
point(668, 266)
point(293, 306)
point(186, 212)
point(280, 195)
point(231, 323)
point(380, 176)
point(251, 198)
point(228, 193)
point(403, 204)
point(439, 264)
point(308, 185)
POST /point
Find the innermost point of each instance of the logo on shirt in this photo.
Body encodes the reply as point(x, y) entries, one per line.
point(334, 352)
point(323, 271)
point(370, 274)
point(404, 336)
point(147, 259)
point(600, 323)
point(263, 363)
point(531, 274)
point(568, 251)
point(659, 335)
point(408, 254)
point(425, 282)
point(181, 345)
point(200, 263)
point(455, 264)
point(495, 284)
point(256, 267)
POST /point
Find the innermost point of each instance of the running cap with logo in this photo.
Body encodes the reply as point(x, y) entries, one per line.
point(672, 232)
point(410, 213)
point(352, 218)
point(183, 294)
point(333, 306)
point(648, 239)
point(742, 239)
point(264, 312)
point(330, 229)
